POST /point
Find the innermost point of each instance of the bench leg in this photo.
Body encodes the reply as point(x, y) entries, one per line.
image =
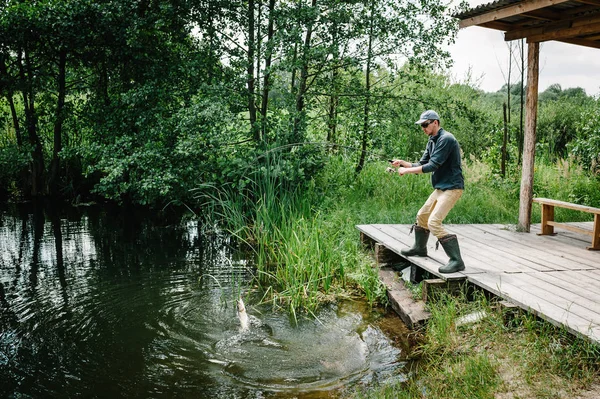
point(547, 216)
point(596, 233)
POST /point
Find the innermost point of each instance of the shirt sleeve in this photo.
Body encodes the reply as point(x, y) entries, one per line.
point(425, 158)
point(439, 156)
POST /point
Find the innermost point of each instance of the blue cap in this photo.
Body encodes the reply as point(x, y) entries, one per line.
point(427, 116)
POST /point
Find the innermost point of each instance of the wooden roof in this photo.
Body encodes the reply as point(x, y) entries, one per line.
point(575, 22)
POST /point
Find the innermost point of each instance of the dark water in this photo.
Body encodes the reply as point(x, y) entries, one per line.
point(100, 304)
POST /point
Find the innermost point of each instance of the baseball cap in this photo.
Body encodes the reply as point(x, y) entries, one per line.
point(428, 115)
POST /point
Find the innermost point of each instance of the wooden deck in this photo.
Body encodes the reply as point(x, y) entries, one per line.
point(554, 277)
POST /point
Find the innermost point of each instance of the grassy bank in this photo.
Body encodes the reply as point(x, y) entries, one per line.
point(502, 355)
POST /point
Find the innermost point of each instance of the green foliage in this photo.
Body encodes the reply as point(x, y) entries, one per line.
point(586, 146)
point(12, 163)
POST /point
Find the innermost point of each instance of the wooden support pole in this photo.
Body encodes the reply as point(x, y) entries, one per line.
point(531, 105)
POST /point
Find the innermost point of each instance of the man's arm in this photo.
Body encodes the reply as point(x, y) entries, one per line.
point(401, 162)
point(411, 170)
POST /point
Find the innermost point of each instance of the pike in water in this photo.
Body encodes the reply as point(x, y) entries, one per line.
point(242, 315)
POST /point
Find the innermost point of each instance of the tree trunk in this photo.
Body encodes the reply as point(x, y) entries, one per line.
point(366, 110)
point(54, 170)
point(333, 104)
point(264, 106)
point(11, 102)
point(36, 187)
point(250, 78)
point(299, 121)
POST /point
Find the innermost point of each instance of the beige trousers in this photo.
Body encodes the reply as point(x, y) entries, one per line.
point(436, 208)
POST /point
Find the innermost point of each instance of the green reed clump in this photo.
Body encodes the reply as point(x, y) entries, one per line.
point(305, 241)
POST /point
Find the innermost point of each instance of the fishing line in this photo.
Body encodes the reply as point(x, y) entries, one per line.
point(325, 144)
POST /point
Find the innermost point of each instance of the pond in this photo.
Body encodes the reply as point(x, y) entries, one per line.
point(99, 303)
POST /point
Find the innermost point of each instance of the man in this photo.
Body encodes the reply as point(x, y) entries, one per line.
point(442, 160)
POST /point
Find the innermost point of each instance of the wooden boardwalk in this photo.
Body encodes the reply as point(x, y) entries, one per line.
point(554, 277)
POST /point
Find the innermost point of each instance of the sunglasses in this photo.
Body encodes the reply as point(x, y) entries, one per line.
point(425, 124)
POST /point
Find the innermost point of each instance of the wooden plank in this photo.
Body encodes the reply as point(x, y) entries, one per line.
point(536, 303)
point(544, 249)
point(551, 26)
point(563, 246)
point(593, 275)
point(412, 313)
point(581, 278)
point(500, 252)
point(565, 33)
point(519, 8)
point(567, 205)
point(571, 238)
point(569, 227)
point(556, 290)
point(582, 42)
point(587, 295)
point(531, 254)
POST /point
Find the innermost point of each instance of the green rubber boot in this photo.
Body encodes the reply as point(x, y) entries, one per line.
point(419, 248)
point(450, 245)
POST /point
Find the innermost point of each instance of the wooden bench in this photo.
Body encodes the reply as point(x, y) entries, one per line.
point(548, 222)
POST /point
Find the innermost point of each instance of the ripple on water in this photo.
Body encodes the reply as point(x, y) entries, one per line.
point(203, 337)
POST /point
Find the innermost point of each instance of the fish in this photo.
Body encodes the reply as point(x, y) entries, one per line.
point(242, 315)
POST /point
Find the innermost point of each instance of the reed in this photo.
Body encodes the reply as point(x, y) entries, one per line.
point(304, 238)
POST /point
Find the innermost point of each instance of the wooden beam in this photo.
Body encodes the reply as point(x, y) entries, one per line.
point(588, 29)
point(498, 25)
point(526, 195)
point(544, 15)
point(581, 42)
point(551, 27)
point(510, 11)
point(592, 2)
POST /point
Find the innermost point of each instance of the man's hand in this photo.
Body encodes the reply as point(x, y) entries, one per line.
point(402, 171)
point(400, 162)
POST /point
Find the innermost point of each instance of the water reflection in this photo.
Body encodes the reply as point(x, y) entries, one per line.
point(98, 304)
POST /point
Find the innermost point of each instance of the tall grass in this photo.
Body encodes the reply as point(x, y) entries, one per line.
point(305, 240)
point(502, 355)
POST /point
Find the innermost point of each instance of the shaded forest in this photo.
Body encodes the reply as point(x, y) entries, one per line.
point(142, 102)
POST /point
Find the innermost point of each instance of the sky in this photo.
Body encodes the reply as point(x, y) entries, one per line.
point(483, 54)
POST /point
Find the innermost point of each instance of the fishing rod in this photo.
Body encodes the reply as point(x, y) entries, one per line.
point(325, 144)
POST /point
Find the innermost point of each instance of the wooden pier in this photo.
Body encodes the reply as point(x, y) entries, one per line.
point(554, 277)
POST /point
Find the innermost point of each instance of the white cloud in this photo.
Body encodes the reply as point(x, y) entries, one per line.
point(484, 53)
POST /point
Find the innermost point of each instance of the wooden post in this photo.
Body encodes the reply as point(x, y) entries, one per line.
point(596, 233)
point(533, 66)
point(547, 216)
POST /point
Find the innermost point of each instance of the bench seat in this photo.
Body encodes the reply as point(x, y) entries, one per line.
point(548, 222)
